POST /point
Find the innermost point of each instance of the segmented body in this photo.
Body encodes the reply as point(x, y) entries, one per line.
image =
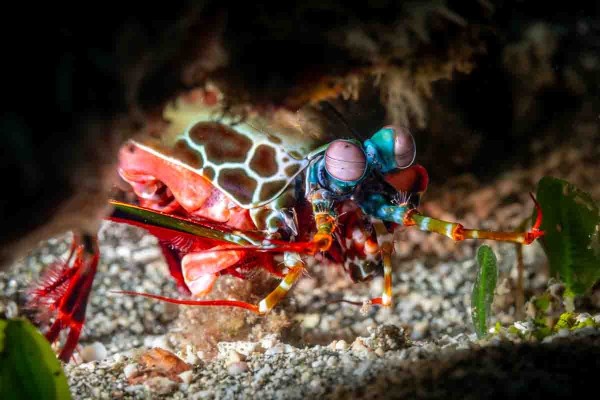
point(224, 196)
point(349, 191)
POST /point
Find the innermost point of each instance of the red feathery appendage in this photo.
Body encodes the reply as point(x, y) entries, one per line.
point(64, 291)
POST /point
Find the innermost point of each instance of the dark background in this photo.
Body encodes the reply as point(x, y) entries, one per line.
point(477, 82)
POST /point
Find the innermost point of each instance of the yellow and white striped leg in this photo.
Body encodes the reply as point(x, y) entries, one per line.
point(386, 246)
point(295, 266)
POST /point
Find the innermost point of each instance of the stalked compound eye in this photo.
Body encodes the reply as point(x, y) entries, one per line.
point(345, 161)
point(405, 149)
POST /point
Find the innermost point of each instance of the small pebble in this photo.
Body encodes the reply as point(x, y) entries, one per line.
point(358, 346)
point(186, 377)
point(157, 341)
point(563, 332)
point(234, 357)
point(588, 330)
point(146, 255)
point(237, 368)
point(311, 321)
point(93, 352)
point(315, 384)
point(341, 345)
point(583, 317)
point(269, 342)
point(419, 330)
point(190, 357)
point(279, 348)
point(262, 373)
point(117, 358)
point(130, 370)
point(160, 385)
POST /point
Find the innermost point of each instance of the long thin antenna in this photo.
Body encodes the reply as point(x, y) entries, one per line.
point(331, 108)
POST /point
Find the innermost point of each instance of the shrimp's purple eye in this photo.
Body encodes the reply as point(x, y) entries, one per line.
point(345, 161)
point(405, 149)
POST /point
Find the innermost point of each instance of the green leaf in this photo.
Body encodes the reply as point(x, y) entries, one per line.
point(29, 368)
point(483, 290)
point(571, 222)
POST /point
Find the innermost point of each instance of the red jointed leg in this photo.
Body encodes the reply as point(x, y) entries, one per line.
point(173, 260)
point(66, 292)
point(386, 247)
point(295, 269)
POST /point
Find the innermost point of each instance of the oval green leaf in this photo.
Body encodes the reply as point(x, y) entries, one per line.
point(482, 296)
point(571, 222)
point(29, 368)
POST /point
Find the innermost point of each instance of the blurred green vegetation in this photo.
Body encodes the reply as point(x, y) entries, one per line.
point(29, 368)
point(571, 222)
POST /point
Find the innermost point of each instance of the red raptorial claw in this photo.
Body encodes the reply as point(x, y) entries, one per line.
point(535, 231)
point(64, 292)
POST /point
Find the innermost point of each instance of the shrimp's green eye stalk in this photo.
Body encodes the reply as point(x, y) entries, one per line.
point(392, 147)
point(344, 166)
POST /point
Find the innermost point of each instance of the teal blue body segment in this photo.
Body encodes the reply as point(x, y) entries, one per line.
point(372, 199)
point(379, 206)
point(380, 150)
point(325, 179)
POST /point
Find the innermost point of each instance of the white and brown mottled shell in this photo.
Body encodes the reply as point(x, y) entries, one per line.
point(252, 161)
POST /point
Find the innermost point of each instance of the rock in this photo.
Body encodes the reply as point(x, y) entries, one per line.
point(419, 330)
point(358, 346)
point(160, 385)
point(341, 345)
point(157, 341)
point(311, 320)
point(186, 377)
point(238, 367)
point(241, 347)
point(93, 352)
point(130, 370)
point(235, 357)
point(190, 356)
point(269, 341)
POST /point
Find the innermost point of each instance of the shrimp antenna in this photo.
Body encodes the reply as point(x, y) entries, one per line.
point(332, 109)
